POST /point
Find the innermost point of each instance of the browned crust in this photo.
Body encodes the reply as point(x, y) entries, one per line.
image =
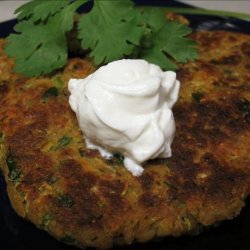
point(80, 198)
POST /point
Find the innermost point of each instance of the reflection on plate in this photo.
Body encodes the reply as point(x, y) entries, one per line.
point(16, 233)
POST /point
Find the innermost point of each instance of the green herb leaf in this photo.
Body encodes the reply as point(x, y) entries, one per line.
point(154, 18)
point(58, 82)
point(170, 185)
point(197, 96)
point(118, 158)
point(65, 200)
point(81, 152)
point(41, 48)
point(51, 92)
point(100, 204)
point(110, 31)
point(46, 219)
point(14, 171)
point(67, 239)
point(1, 138)
point(243, 105)
point(64, 141)
point(40, 10)
point(116, 31)
point(177, 45)
point(171, 46)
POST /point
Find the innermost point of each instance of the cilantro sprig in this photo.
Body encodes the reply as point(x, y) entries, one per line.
point(169, 44)
point(117, 30)
point(40, 45)
point(110, 31)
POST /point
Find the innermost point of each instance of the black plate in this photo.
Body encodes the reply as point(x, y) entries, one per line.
point(18, 234)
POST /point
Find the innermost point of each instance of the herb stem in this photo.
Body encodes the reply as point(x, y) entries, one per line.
point(192, 11)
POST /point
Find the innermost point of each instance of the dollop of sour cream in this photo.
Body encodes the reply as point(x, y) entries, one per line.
point(125, 107)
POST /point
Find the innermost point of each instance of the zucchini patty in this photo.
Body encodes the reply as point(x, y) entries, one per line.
point(74, 194)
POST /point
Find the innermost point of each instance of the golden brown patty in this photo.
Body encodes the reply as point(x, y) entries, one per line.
point(85, 200)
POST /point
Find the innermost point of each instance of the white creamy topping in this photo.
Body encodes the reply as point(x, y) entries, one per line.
point(125, 107)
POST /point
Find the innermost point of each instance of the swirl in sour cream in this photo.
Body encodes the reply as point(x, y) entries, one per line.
point(125, 107)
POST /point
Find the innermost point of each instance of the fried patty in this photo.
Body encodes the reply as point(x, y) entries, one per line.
point(74, 194)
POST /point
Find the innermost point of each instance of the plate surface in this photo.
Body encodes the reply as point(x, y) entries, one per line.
point(18, 234)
